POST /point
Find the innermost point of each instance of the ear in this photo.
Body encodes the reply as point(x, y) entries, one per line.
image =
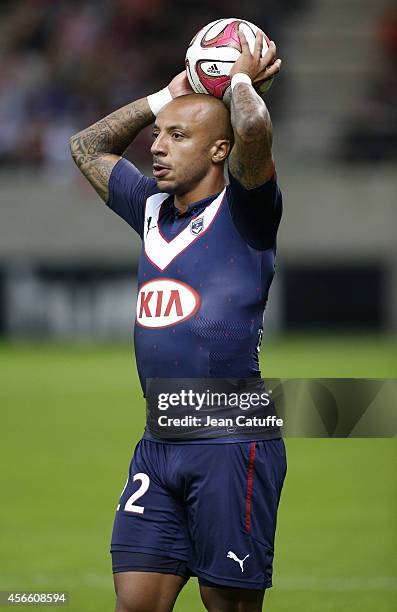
point(219, 151)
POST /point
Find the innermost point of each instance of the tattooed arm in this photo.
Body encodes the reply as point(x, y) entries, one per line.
point(250, 160)
point(98, 148)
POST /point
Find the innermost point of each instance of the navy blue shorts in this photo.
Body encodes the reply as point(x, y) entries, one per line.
point(207, 510)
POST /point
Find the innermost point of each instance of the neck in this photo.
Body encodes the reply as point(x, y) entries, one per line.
point(207, 187)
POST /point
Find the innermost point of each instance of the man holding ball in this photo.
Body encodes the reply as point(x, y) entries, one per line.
point(206, 506)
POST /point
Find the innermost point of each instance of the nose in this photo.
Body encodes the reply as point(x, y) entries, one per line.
point(159, 147)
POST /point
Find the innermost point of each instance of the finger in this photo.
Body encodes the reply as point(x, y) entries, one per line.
point(264, 63)
point(269, 71)
point(270, 55)
point(244, 44)
point(258, 44)
point(273, 68)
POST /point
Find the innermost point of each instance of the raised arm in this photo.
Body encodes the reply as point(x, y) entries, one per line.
point(99, 147)
point(250, 160)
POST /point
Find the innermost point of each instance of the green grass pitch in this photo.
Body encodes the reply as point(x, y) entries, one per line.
point(70, 417)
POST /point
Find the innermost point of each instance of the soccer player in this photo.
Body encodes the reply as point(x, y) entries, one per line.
point(206, 506)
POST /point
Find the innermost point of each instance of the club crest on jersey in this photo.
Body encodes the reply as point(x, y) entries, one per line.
point(197, 226)
point(165, 301)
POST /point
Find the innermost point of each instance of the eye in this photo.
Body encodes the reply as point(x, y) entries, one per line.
point(177, 135)
point(155, 134)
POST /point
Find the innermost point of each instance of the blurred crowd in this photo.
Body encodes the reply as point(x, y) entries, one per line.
point(65, 64)
point(372, 133)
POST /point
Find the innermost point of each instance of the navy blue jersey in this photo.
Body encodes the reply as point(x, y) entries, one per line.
point(203, 277)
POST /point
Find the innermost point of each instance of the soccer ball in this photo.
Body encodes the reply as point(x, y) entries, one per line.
point(212, 53)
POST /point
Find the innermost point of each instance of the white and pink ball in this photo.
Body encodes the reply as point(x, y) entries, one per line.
point(212, 53)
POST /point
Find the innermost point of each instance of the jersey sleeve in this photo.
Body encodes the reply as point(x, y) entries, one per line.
point(256, 212)
point(128, 191)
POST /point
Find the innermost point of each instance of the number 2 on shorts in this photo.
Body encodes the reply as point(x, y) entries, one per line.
point(130, 505)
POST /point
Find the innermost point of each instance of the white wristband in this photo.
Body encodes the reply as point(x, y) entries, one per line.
point(240, 77)
point(159, 99)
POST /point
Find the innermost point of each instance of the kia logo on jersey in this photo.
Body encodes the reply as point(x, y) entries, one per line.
point(164, 301)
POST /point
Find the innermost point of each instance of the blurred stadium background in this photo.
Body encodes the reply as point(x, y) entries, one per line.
point(71, 406)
